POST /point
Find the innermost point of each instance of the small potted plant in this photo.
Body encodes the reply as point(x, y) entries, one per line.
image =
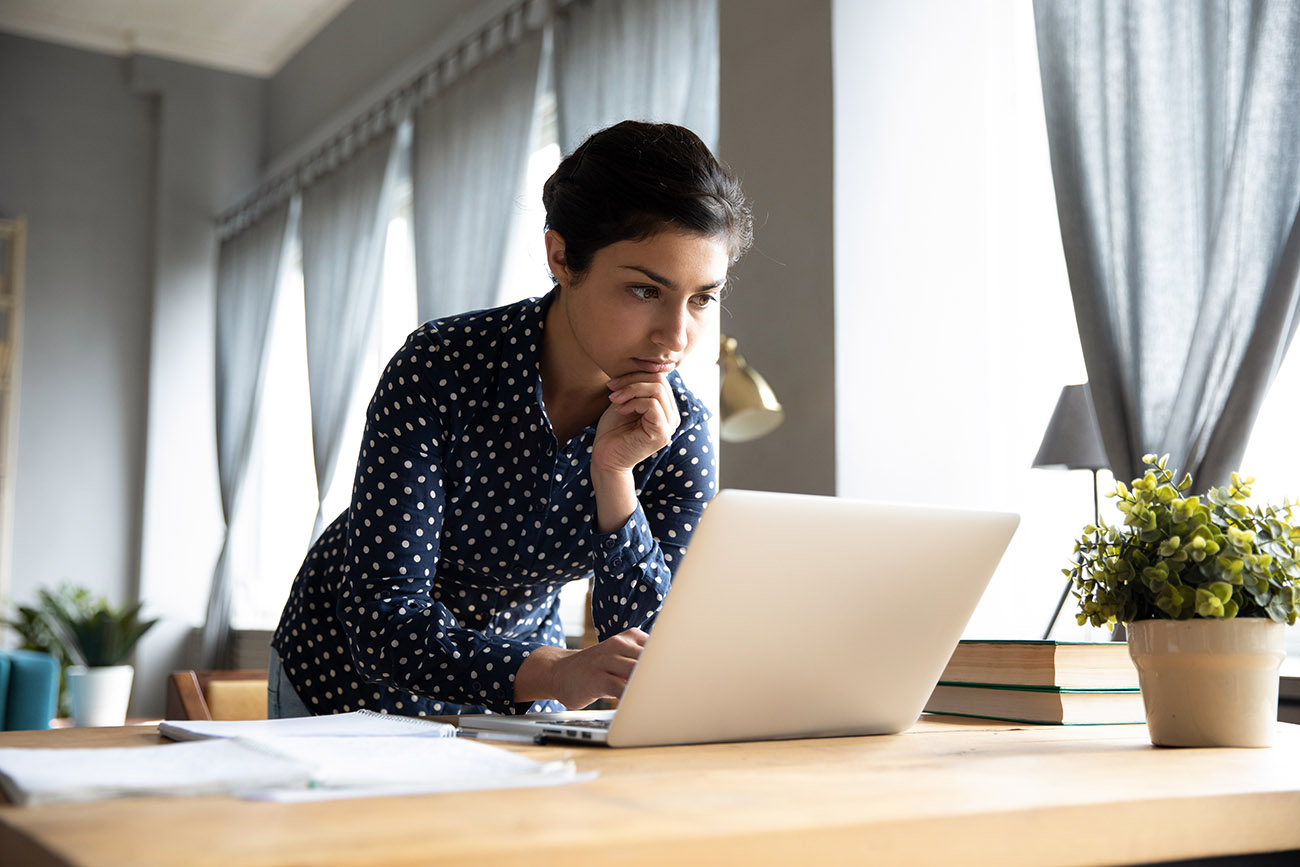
point(1206, 586)
point(32, 626)
point(94, 640)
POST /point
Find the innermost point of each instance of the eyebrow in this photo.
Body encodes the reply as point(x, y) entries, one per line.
point(659, 278)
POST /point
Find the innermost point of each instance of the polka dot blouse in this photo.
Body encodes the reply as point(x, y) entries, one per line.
point(467, 517)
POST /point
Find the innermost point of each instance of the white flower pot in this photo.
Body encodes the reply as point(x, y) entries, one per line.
point(99, 695)
point(1209, 683)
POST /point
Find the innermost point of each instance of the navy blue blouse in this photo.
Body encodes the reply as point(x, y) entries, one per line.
point(467, 518)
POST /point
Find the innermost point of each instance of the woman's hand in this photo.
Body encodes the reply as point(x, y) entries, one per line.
point(576, 678)
point(641, 419)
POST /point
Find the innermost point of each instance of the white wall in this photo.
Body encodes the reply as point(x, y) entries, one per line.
point(951, 295)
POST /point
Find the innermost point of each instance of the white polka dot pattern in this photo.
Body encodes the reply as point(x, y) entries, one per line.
point(466, 519)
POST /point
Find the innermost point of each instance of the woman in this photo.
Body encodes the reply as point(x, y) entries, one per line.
point(510, 451)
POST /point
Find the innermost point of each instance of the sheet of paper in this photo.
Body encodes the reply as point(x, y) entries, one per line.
point(362, 723)
point(274, 768)
point(44, 776)
point(370, 767)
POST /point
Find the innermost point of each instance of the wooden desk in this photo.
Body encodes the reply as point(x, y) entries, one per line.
point(947, 792)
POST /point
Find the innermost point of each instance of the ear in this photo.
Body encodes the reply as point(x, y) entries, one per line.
point(556, 259)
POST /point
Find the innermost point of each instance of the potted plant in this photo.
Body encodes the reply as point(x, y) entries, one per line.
point(32, 626)
point(93, 639)
point(1206, 587)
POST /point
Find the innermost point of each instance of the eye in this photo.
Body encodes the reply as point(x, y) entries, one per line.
point(705, 299)
point(645, 293)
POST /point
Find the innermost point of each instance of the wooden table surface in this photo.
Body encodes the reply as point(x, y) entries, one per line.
point(947, 792)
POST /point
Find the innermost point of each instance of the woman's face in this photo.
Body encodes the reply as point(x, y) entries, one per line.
point(642, 304)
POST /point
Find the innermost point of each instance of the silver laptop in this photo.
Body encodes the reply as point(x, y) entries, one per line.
point(795, 616)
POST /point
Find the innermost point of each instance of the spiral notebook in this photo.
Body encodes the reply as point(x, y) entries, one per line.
point(360, 723)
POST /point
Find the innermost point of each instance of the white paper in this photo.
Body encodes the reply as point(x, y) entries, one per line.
point(362, 723)
point(274, 768)
point(43, 776)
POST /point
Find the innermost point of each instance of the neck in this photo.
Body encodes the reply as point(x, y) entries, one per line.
point(572, 387)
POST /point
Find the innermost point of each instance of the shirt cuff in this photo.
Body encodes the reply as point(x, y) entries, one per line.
point(492, 676)
point(627, 547)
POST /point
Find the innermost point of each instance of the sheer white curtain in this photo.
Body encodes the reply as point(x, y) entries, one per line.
point(1175, 141)
point(344, 224)
point(651, 60)
point(248, 271)
point(468, 157)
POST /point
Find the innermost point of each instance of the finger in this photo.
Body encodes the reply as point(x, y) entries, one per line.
point(645, 407)
point(620, 669)
point(635, 634)
point(639, 389)
point(636, 376)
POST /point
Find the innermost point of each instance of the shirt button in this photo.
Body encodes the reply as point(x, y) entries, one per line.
point(610, 543)
point(617, 562)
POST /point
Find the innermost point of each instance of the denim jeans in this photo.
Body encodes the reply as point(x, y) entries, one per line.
point(282, 700)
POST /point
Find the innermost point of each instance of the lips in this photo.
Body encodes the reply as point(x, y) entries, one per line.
point(655, 365)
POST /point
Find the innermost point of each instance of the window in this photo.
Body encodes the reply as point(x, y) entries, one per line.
point(1271, 455)
point(276, 525)
point(524, 274)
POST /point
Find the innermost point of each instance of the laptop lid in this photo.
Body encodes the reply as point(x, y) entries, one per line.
point(795, 615)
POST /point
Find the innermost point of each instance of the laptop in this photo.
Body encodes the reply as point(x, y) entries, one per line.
point(795, 616)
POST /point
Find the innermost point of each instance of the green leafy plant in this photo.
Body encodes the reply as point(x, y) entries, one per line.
point(80, 629)
point(1178, 556)
point(33, 628)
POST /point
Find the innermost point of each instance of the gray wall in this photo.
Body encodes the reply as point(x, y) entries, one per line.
point(209, 145)
point(357, 54)
point(777, 134)
point(120, 166)
point(77, 149)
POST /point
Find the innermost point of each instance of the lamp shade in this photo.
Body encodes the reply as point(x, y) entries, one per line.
point(749, 408)
point(1072, 440)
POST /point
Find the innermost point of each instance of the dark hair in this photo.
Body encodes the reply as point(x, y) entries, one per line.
point(634, 179)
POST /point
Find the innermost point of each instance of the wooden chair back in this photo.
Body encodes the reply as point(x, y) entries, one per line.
point(220, 695)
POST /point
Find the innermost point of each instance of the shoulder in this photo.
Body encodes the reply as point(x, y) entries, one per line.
point(480, 331)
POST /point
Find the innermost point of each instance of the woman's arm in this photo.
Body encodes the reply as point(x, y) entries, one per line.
point(398, 633)
point(641, 534)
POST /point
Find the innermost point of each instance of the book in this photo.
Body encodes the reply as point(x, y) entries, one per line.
point(360, 723)
point(293, 768)
point(1064, 664)
point(1029, 704)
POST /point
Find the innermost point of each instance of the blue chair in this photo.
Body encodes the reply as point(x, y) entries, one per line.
point(29, 689)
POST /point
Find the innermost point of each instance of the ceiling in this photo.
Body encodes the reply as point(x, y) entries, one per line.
point(255, 37)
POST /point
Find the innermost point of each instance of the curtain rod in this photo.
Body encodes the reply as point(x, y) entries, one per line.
point(388, 111)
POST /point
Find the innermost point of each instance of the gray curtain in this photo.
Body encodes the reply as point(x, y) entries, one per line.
point(1174, 129)
point(248, 270)
point(344, 225)
point(636, 59)
point(468, 158)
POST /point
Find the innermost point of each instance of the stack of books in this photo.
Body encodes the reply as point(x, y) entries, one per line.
point(1054, 682)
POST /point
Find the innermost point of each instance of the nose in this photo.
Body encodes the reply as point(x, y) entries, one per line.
point(672, 331)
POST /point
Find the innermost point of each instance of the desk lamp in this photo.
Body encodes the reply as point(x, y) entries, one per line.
point(748, 407)
point(1073, 442)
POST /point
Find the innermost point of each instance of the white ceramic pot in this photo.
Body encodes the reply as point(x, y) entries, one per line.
point(99, 695)
point(1209, 683)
